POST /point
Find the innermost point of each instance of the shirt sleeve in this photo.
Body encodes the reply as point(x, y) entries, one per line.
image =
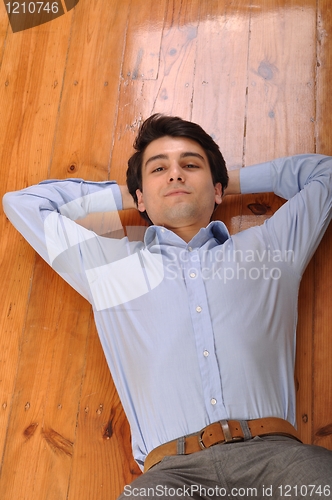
point(299, 225)
point(45, 215)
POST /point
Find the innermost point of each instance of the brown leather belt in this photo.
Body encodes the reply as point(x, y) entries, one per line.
point(225, 431)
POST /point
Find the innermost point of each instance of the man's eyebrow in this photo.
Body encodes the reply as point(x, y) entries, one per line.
point(156, 157)
point(192, 153)
point(183, 155)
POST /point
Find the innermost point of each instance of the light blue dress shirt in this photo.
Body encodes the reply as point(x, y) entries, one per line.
point(193, 333)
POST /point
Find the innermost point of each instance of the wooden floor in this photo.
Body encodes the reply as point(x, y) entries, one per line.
point(257, 75)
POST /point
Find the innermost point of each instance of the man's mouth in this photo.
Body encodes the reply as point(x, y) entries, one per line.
point(177, 192)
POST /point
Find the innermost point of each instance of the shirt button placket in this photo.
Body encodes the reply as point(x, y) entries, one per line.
point(201, 324)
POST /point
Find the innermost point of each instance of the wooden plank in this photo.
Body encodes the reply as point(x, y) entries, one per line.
point(32, 62)
point(4, 25)
point(145, 27)
point(322, 377)
point(174, 91)
point(280, 121)
point(41, 434)
point(304, 356)
point(15, 271)
point(29, 116)
point(89, 103)
point(324, 71)
point(322, 382)
point(221, 75)
point(281, 82)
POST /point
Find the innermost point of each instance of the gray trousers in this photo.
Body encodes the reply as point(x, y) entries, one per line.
point(270, 467)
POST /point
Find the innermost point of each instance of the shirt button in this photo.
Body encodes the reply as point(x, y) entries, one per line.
point(190, 249)
point(213, 401)
point(192, 275)
point(198, 309)
point(206, 353)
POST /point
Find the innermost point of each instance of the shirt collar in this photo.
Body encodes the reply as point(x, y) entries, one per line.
point(216, 230)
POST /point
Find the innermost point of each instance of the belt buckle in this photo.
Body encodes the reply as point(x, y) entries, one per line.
point(228, 438)
point(200, 440)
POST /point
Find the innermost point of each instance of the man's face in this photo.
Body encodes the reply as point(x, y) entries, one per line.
point(177, 187)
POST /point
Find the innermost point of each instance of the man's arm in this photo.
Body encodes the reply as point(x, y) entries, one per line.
point(127, 199)
point(44, 214)
point(306, 182)
point(233, 182)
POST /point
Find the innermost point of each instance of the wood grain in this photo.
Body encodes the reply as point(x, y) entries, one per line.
point(84, 137)
point(322, 383)
point(27, 126)
point(73, 93)
point(221, 76)
point(171, 92)
point(281, 82)
point(41, 434)
point(103, 441)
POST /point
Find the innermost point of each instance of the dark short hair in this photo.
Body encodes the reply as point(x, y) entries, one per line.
point(158, 126)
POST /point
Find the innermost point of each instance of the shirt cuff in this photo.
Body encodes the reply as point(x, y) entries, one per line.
point(256, 179)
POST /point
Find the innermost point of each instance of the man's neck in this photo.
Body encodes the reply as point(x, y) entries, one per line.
point(185, 233)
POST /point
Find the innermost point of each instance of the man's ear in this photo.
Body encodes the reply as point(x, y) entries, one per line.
point(140, 202)
point(218, 193)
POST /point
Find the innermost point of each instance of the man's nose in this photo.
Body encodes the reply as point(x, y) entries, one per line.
point(176, 173)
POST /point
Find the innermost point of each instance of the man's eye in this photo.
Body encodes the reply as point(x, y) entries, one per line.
point(158, 169)
point(191, 165)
